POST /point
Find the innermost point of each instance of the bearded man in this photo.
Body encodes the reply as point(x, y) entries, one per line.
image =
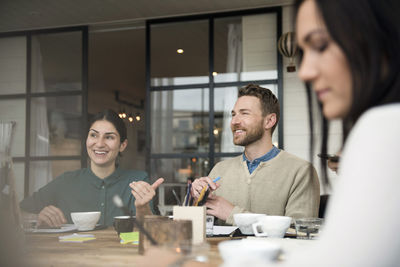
point(264, 179)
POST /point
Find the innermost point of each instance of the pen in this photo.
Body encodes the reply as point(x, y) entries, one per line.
point(176, 197)
point(203, 191)
point(191, 199)
point(217, 179)
point(189, 186)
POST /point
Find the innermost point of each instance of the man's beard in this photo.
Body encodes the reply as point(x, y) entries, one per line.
point(251, 136)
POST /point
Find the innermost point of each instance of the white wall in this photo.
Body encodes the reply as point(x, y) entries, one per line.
point(259, 46)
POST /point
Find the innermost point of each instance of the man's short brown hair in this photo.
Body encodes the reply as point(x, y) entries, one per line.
point(269, 102)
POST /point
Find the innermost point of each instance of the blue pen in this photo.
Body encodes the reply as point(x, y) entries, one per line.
point(188, 193)
point(214, 181)
point(217, 179)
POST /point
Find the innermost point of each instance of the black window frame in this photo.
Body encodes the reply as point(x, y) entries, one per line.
point(211, 154)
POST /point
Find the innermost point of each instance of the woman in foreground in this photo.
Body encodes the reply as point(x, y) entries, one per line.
point(351, 60)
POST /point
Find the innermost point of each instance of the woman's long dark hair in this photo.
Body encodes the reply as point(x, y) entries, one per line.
point(368, 32)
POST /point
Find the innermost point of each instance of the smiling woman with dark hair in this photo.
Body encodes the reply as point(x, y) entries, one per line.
point(92, 189)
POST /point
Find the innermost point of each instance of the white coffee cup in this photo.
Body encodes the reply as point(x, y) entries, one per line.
point(245, 220)
point(85, 221)
point(272, 226)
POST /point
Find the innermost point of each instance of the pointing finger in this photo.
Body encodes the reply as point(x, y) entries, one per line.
point(157, 183)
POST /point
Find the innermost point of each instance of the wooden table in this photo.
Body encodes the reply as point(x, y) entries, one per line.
point(105, 250)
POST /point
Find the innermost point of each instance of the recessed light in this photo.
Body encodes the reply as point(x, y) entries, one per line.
point(179, 51)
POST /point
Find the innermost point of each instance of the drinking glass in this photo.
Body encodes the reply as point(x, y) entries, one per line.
point(308, 228)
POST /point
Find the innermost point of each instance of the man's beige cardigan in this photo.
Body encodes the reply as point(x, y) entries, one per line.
point(285, 185)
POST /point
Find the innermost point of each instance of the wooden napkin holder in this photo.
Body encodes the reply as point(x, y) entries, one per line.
point(176, 235)
point(198, 217)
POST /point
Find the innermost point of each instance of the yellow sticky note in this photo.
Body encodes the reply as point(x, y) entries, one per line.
point(131, 237)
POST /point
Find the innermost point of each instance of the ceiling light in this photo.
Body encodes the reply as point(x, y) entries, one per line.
point(124, 115)
point(179, 51)
point(215, 73)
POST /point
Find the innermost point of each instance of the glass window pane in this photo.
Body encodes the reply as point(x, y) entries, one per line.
point(12, 65)
point(56, 126)
point(224, 101)
point(179, 121)
point(43, 172)
point(19, 175)
point(179, 170)
point(168, 67)
point(245, 48)
point(56, 62)
point(14, 110)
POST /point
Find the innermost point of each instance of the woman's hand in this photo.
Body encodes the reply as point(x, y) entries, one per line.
point(144, 192)
point(51, 216)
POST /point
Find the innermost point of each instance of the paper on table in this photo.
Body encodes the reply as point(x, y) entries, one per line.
point(64, 228)
point(223, 230)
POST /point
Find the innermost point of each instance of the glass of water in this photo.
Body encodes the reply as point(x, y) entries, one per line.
point(209, 225)
point(308, 228)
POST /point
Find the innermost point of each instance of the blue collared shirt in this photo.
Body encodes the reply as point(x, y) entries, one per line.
point(252, 165)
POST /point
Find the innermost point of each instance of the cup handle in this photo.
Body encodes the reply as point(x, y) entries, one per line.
point(256, 232)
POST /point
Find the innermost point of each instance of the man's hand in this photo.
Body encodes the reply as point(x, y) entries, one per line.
point(144, 192)
point(51, 216)
point(219, 207)
point(333, 165)
point(200, 183)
